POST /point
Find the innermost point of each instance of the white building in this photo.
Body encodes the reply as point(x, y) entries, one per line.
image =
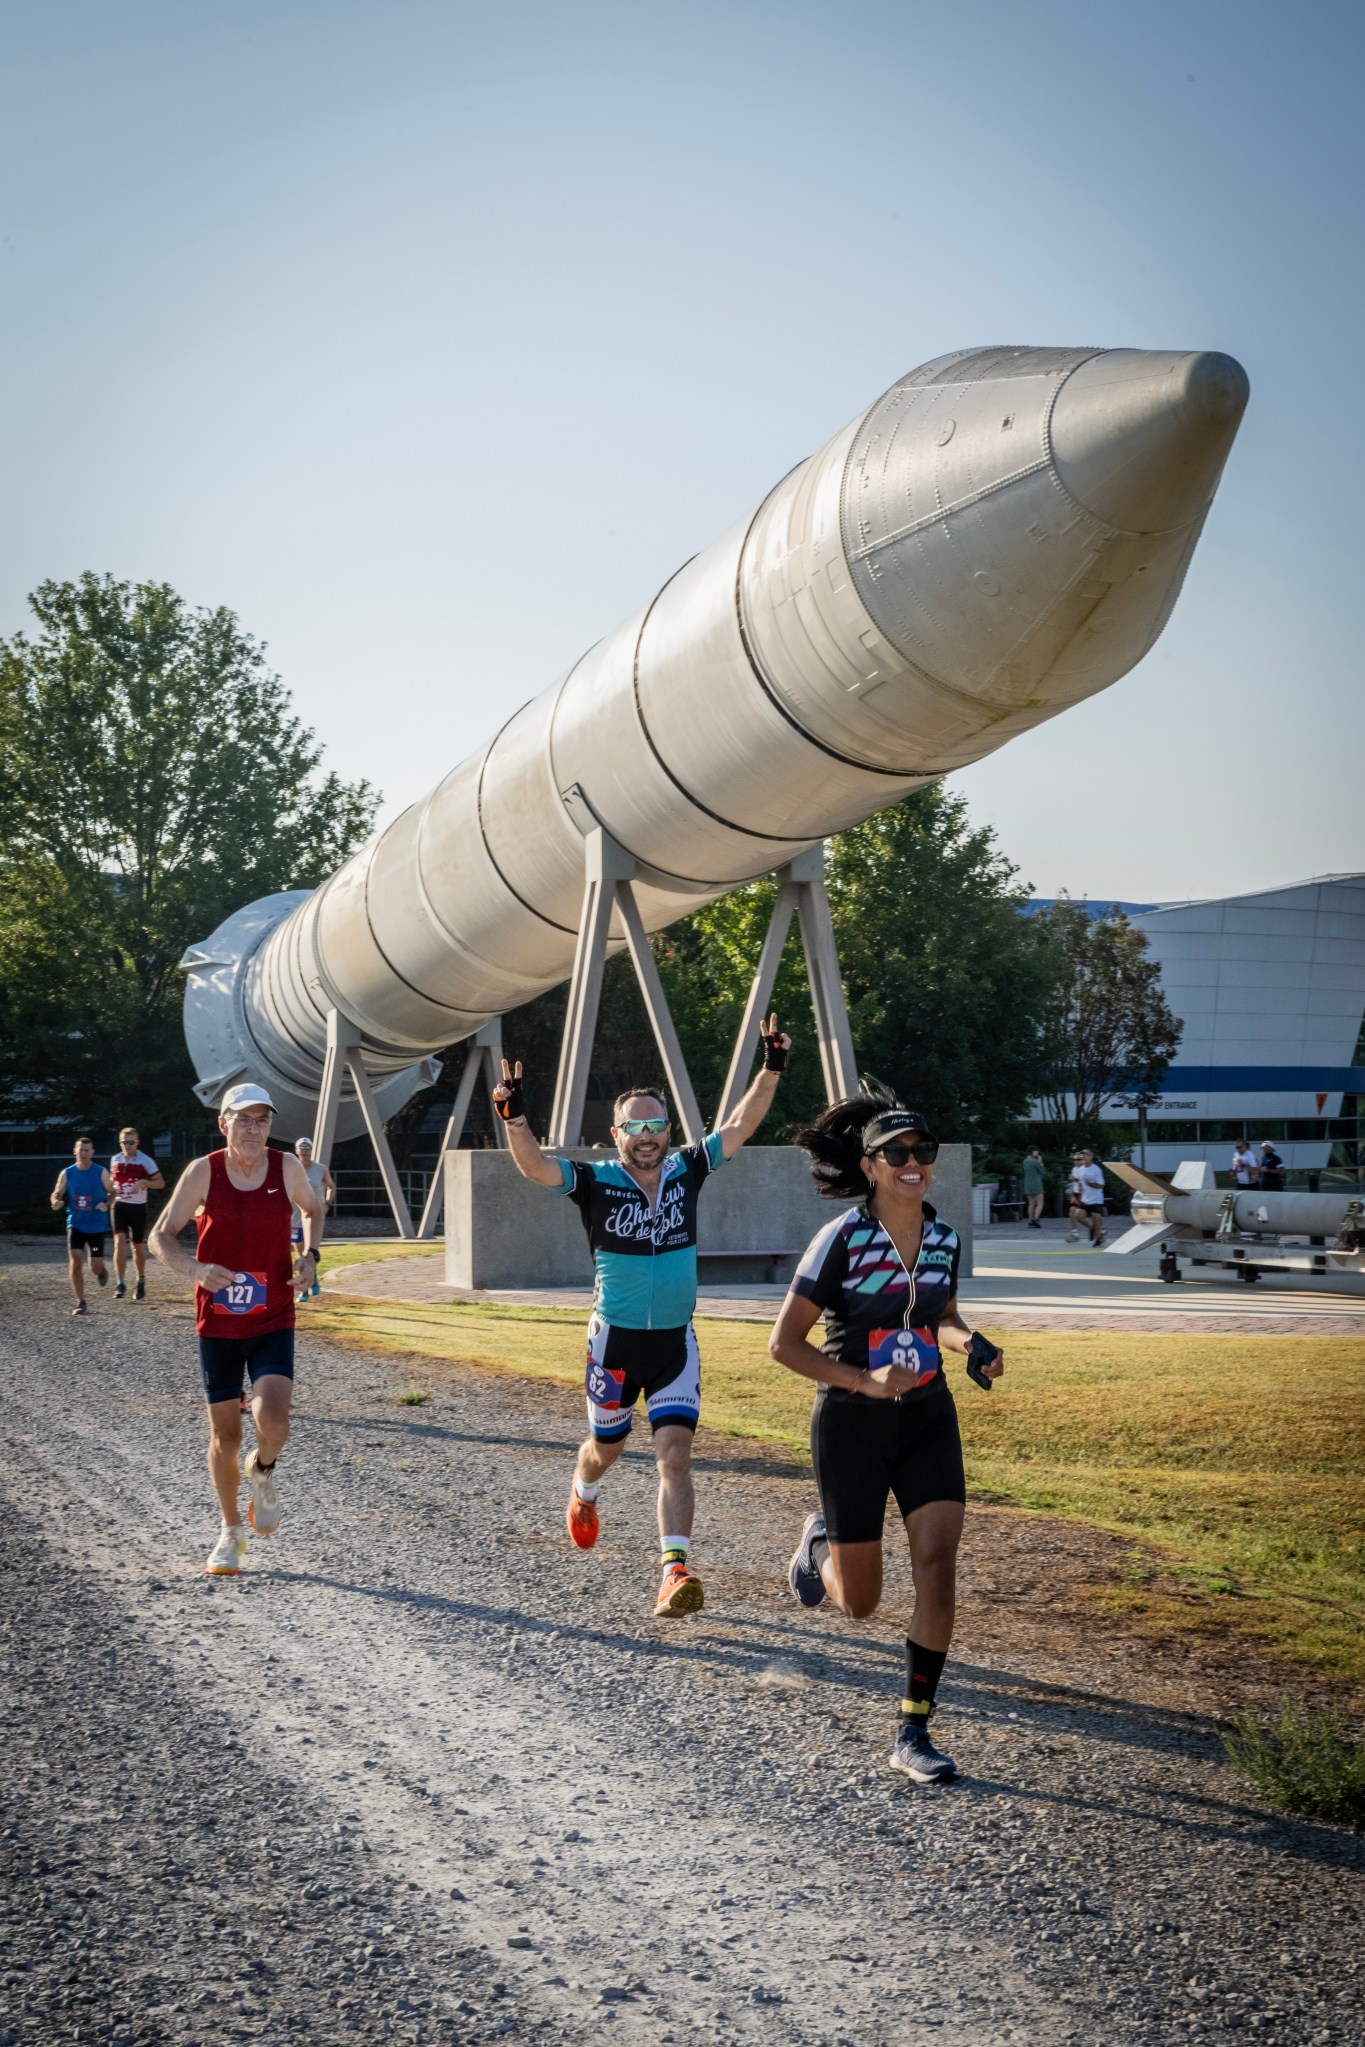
point(1271, 989)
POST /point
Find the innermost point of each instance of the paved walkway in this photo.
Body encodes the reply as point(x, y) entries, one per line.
point(1023, 1280)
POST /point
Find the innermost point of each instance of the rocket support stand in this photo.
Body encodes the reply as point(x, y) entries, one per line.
point(800, 889)
point(485, 1051)
point(343, 1057)
point(610, 874)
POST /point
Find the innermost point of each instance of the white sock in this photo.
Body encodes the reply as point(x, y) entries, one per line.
point(586, 1492)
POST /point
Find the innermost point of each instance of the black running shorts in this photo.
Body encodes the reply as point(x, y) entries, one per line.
point(87, 1240)
point(130, 1220)
point(864, 1449)
point(223, 1360)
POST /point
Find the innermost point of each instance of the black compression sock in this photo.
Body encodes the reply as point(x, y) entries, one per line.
point(923, 1669)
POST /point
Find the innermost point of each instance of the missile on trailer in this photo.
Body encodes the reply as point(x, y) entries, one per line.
point(1247, 1230)
point(1000, 536)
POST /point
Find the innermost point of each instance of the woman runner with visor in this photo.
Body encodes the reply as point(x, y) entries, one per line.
point(884, 1277)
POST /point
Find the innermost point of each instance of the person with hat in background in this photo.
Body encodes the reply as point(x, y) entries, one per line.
point(1270, 1174)
point(325, 1187)
point(245, 1282)
point(883, 1275)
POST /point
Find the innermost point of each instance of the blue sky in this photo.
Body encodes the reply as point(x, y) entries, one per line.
point(431, 338)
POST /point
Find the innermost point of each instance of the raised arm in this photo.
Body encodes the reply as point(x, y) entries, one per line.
point(530, 1161)
point(754, 1106)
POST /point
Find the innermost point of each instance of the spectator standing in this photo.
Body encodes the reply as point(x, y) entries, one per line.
point(1035, 1186)
point(1242, 1165)
point(1090, 1185)
point(1272, 1168)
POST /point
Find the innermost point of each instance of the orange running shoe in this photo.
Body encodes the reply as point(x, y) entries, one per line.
point(582, 1521)
point(679, 1592)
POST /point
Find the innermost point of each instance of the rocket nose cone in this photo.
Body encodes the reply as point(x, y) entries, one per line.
point(1139, 437)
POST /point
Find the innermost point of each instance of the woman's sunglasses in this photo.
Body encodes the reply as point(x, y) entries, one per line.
point(637, 1126)
point(923, 1153)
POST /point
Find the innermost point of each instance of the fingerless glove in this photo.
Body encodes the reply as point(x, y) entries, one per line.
point(513, 1108)
point(774, 1051)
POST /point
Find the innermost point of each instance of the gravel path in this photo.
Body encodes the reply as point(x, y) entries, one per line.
point(425, 1774)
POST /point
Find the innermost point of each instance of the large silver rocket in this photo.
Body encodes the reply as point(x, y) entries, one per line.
point(1000, 536)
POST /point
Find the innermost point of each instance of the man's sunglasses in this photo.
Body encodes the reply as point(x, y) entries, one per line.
point(637, 1126)
point(924, 1152)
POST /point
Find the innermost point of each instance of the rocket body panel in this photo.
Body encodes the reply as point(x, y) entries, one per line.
point(1002, 534)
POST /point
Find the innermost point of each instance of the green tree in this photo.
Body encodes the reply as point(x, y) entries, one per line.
point(152, 779)
point(1110, 1031)
point(948, 986)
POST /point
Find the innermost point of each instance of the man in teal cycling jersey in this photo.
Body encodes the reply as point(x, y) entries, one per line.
point(640, 1212)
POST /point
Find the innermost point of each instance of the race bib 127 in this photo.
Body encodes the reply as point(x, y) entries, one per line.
point(243, 1295)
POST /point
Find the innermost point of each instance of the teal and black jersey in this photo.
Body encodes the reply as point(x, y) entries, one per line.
point(646, 1256)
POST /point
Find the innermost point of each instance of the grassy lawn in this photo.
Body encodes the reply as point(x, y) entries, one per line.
point(1233, 1463)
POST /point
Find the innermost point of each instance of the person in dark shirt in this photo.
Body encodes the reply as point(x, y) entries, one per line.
point(884, 1277)
point(1271, 1175)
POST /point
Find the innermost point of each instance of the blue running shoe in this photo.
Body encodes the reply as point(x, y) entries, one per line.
point(915, 1756)
point(803, 1573)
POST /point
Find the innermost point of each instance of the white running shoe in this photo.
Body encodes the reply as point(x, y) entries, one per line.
point(263, 1508)
point(225, 1558)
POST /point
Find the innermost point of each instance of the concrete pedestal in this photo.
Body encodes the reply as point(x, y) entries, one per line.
point(755, 1217)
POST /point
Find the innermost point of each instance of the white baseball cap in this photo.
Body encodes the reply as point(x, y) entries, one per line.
point(247, 1096)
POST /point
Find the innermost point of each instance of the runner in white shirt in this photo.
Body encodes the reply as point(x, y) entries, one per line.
point(135, 1175)
point(325, 1187)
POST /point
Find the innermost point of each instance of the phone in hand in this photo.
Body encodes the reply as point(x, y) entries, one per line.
point(980, 1353)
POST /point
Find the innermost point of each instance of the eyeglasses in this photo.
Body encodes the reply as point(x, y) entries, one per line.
point(637, 1126)
point(924, 1152)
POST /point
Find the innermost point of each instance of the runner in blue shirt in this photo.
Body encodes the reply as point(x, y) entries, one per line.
point(640, 1212)
point(85, 1191)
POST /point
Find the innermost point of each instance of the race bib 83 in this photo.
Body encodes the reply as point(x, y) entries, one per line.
point(914, 1350)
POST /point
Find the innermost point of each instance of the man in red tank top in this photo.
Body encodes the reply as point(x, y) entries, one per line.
point(245, 1280)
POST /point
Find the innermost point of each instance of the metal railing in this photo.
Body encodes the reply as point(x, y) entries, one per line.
point(360, 1190)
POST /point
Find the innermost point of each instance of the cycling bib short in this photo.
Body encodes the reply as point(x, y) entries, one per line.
point(663, 1364)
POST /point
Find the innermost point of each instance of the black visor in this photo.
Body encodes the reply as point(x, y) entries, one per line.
point(892, 1123)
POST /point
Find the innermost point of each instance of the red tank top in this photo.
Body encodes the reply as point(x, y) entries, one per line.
point(246, 1229)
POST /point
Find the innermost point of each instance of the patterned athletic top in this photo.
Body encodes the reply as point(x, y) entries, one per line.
point(876, 1313)
point(646, 1258)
